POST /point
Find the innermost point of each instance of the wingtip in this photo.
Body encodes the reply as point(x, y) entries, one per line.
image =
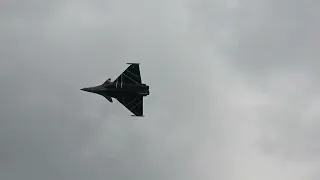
point(138, 116)
point(134, 63)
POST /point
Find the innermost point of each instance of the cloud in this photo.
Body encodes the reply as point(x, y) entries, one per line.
point(276, 34)
point(230, 96)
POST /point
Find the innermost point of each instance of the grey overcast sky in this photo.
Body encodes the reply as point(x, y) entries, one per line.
point(234, 90)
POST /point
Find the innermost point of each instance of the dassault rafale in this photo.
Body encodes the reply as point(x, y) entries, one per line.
point(128, 89)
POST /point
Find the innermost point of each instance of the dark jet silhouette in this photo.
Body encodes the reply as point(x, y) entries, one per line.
point(127, 89)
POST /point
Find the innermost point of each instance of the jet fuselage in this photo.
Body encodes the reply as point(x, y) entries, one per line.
point(119, 89)
point(128, 89)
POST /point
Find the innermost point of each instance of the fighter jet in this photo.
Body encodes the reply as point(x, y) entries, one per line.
point(127, 89)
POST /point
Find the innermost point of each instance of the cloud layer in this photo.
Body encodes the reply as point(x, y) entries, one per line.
point(234, 91)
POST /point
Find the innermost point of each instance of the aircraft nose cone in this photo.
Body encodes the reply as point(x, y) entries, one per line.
point(84, 89)
point(91, 89)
